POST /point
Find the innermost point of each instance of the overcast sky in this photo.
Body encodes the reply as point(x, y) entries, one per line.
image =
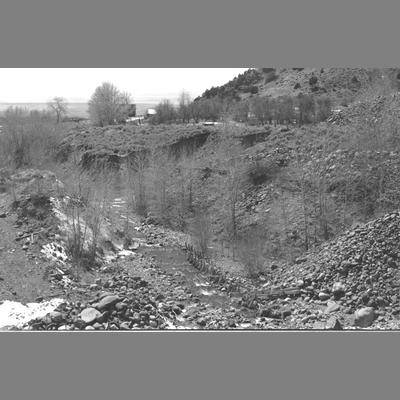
point(78, 84)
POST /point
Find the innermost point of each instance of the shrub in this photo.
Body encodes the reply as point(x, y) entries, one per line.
point(29, 139)
point(86, 208)
point(260, 172)
point(313, 80)
point(253, 89)
point(200, 231)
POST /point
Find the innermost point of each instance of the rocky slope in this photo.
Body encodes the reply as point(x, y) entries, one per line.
point(356, 270)
point(341, 84)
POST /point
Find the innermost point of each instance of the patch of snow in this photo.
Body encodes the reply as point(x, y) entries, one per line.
point(16, 314)
point(170, 325)
point(55, 252)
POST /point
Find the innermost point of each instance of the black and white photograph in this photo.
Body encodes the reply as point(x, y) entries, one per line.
point(199, 199)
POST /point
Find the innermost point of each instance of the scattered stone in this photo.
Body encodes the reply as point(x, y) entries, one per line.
point(90, 315)
point(364, 317)
point(201, 322)
point(338, 290)
point(323, 296)
point(333, 324)
point(64, 328)
point(107, 302)
point(319, 325)
point(125, 326)
point(332, 307)
point(89, 328)
point(56, 316)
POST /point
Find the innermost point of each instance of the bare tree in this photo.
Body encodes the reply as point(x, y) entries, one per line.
point(260, 107)
point(136, 169)
point(166, 113)
point(28, 138)
point(184, 107)
point(324, 106)
point(108, 106)
point(234, 167)
point(159, 185)
point(306, 109)
point(59, 106)
point(200, 230)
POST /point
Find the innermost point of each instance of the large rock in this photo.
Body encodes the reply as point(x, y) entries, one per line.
point(323, 296)
point(107, 302)
point(338, 290)
point(333, 324)
point(332, 307)
point(364, 317)
point(89, 315)
point(56, 316)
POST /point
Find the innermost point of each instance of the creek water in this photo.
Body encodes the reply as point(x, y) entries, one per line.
point(172, 259)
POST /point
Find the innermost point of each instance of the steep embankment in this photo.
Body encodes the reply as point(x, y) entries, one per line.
point(111, 145)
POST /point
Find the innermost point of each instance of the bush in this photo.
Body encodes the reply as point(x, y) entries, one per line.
point(86, 208)
point(260, 172)
point(313, 80)
point(253, 89)
point(200, 231)
point(29, 139)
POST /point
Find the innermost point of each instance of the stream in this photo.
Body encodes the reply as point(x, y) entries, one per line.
point(172, 260)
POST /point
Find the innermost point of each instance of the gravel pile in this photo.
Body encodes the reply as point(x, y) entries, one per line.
point(357, 271)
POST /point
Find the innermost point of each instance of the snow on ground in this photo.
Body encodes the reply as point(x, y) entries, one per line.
point(17, 314)
point(55, 252)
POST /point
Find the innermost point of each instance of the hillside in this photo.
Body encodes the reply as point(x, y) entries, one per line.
point(281, 225)
point(341, 84)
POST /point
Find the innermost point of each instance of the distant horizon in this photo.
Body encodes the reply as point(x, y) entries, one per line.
point(75, 109)
point(146, 100)
point(76, 85)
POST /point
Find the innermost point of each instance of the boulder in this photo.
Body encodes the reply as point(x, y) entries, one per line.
point(338, 290)
point(333, 324)
point(56, 316)
point(332, 307)
point(89, 315)
point(323, 296)
point(364, 317)
point(107, 302)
